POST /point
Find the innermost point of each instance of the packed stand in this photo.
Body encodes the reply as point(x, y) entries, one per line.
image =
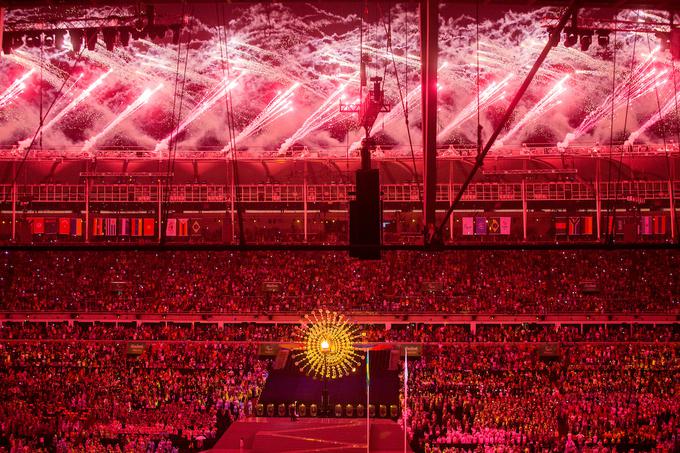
point(588, 397)
point(279, 281)
point(84, 396)
point(410, 333)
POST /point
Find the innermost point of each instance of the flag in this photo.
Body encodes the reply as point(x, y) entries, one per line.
point(195, 228)
point(494, 225)
point(76, 227)
point(64, 225)
point(125, 227)
point(183, 227)
point(98, 226)
point(560, 226)
point(171, 227)
point(574, 226)
point(149, 227)
point(587, 225)
point(611, 226)
point(111, 226)
point(37, 225)
point(480, 225)
point(51, 226)
point(137, 227)
point(505, 225)
point(468, 226)
point(646, 224)
point(659, 224)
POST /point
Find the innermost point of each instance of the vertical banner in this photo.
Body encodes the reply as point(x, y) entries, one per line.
point(659, 224)
point(37, 225)
point(506, 222)
point(468, 226)
point(76, 227)
point(183, 227)
point(64, 226)
point(646, 224)
point(125, 227)
point(587, 225)
point(574, 226)
point(480, 225)
point(171, 228)
point(561, 226)
point(137, 227)
point(494, 225)
point(149, 228)
point(111, 226)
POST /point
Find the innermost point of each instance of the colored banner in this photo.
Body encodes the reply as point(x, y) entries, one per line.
point(76, 227)
point(561, 226)
point(183, 227)
point(494, 225)
point(171, 228)
point(646, 225)
point(37, 225)
point(149, 227)
point(574, 226)
point(64, 226)
point(137, 226)
point(125, 227)
point(506, 222)
point(480, 225)
point(468, 226)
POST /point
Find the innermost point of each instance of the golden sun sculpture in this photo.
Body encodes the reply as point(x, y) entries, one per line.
point(327, 345)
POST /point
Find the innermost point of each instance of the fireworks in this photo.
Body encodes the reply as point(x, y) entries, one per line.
point(15, 89)
point(547, 103)
point(72, 105)
point(208, 101)
point(142, 100)
point(492, 94)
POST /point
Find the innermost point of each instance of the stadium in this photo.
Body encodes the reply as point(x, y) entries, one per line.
point(427, 226)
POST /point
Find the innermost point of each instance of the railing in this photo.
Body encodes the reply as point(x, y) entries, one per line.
point(333, 193)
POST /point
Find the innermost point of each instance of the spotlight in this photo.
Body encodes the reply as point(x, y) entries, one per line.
point(76, 39)
point(59, 38)
point(91, 38)
point(586, 40)
point(49, 39)
point(124, 34)
point(603, 38)
point(33, 39)
point(571, 39)
point(109, 34)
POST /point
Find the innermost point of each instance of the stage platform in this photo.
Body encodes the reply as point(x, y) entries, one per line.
point(328, 435)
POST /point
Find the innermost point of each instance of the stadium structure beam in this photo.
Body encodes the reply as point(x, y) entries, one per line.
point(554, 38)
point(429, 52)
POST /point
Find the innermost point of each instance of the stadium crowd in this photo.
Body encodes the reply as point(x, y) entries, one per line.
point(451, 282)
point(594, 398)
point(420, 333)
point(83, 396)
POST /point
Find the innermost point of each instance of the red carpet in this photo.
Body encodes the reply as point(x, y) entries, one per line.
point(270, 435)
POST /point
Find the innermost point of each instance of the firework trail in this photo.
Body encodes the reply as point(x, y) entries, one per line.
point(141, 101)
point(492, 94)
point(208, 101)
point(277, 107)
point(667, 108)
point(328, 110)
point(547, 103)
point(73, 104)
point(644, 78)
point(15, 89)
